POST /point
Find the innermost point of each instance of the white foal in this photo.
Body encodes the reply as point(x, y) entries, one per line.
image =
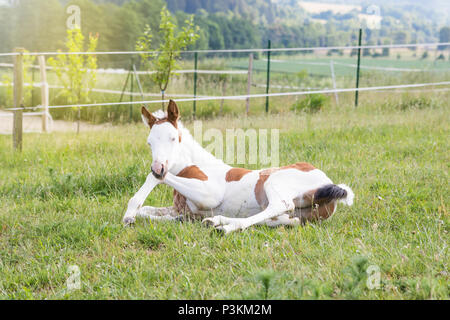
point(228, 198)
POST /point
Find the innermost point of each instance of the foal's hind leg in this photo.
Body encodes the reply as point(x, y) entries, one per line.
point(280, 202)
point(161, 213)
point(316, 212)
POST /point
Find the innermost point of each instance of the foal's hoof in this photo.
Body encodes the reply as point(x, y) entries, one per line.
point(211, 222)
point(128, 221)
point(208, 222)
point(222, 224)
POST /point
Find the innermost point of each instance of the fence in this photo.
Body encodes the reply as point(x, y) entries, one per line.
point(255, 68)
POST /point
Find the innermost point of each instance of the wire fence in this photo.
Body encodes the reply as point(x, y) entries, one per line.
point(250, 75)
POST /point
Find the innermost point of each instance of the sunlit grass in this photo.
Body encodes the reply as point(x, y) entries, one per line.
point(63, 197)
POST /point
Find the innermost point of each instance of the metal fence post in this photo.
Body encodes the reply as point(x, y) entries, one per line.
point(195, 83)
point(268, 76)
point(357, 68)
point(18, 99)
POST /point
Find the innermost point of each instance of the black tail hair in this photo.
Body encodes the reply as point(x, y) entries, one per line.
point(329, 193)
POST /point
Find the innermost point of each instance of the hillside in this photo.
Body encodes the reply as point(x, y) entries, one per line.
point(40, 25)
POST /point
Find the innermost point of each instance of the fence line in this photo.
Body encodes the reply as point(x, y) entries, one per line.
point(243, 97)
point(123, 71)
point(128, 93)
point(411, 45)
point(355, 66)
point(260, 85)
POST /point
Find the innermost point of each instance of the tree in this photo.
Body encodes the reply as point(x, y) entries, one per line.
point(76, 72)
point(163, 59)
point(444, 36)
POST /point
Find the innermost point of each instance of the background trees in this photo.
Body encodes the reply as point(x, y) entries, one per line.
point(39, 25)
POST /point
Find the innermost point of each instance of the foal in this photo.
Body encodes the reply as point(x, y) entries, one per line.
point(228, 198)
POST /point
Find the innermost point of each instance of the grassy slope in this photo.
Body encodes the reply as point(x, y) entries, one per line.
point(63, 198)
point(297, 64)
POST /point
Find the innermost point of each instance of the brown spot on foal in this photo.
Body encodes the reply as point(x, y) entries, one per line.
point(302, 166)
point(316, 212)
point(193, 172)
point(236, 174)
point(260, 194)
point(179, 201)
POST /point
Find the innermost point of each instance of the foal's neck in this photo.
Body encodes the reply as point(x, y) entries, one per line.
point(192, 153)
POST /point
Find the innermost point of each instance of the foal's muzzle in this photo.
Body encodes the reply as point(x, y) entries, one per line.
point(159, 170)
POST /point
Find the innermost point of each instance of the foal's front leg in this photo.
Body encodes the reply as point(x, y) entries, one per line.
point(202, 193)
point(138, 199)
point(159, 213)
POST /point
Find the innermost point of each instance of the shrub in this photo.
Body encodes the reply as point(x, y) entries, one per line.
point(312, 103)
point(441, 57)
point(416, 103)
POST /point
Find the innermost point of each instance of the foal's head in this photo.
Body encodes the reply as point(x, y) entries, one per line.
point(164, 139)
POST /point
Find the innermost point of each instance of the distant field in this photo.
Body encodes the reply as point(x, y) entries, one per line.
point(63, 198)
point(318, 7)
point(321, 66)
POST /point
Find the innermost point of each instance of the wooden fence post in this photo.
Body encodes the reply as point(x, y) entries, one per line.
point(130, 113)
point(44, 93)
point(249, 81)
point(333, 77)
point(18, 99)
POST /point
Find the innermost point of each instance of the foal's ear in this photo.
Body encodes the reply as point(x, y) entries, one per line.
point(173, 113)
point(147, 117)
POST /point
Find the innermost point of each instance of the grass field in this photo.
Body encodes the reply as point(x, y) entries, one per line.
point(344, 66)
point(63, 198)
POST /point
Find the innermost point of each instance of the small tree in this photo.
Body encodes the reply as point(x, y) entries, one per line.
point(163, 60)
point(76, 72)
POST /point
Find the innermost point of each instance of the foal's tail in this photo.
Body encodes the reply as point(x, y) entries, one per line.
point(331, 192)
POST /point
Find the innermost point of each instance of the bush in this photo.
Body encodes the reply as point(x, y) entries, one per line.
point(416, 103)
point(312, 103)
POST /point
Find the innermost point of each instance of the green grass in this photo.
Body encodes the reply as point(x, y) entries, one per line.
point(63, 198)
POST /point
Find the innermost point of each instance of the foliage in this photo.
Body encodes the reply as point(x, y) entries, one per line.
point(416, 103)
point(27, 62)
point(163, 60)
point(312, 103)
point(224, 24)
point(76, 72)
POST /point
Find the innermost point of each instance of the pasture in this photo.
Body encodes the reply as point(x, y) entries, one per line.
point(288, 72)
point(63, 198)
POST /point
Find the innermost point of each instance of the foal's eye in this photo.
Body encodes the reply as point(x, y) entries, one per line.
point(173, 139)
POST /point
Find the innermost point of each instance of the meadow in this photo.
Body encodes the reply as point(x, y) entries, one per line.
point(62, 200)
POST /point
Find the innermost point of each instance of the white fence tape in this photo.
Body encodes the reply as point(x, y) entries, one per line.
point(127, 93)
point(243, 97)
point(411, 45)
point(123, 71)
